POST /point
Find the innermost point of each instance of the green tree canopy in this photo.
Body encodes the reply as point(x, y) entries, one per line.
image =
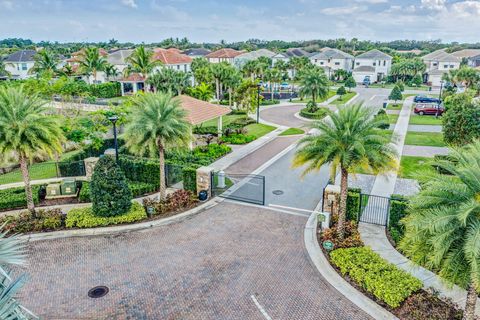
point(395, 94)
point(461, 120)
point(350, 82)
point(314, 83)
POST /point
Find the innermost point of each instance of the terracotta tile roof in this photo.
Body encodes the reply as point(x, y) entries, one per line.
point(170, 56)
point(224, 53)
point(76, 55)
point(134, 77)
point(199, 111)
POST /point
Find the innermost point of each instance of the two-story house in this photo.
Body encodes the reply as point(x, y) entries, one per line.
point(374, 65)
point(438, 63)
point(221, 55)
point(331, 60)
point(19, 63)
point(240, 60)
point(470, 56)
point(196, 52)
point(173, 59)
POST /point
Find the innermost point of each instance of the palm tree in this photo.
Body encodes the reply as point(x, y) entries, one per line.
point(66, 71)
point(233, 79)
point(349, 140)
point(203, 92)
point(157, 123)
point(219, 73)
point(141, 61)
point(314, 83)
point(273, 76)
point(443, 225)
point(45, 62)
point(27, 132)
point(12, 253)
point(110, 71)
point(91, 61)
point(169, 80)
point(3, 68)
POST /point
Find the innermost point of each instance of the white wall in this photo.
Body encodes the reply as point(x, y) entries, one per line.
point(20, 70)
point(381, 66)
point(359, 76)
point(334, 64)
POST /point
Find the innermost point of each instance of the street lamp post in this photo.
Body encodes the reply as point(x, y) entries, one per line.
point(114, 120)
point(441, 88)
point(258, 103)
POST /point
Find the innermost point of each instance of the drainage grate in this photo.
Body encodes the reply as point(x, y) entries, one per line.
point(98, 292)
point(277, 192)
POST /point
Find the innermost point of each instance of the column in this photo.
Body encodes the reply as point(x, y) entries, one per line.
point(220, 126)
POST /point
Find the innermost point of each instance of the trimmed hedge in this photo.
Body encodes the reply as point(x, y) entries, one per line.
point(384, 280)
point(398, 210)
point(353, 204)
point(138, 189)
point(319, 114)
point(84, 217)
point(238, 138)
point(190, 179)
point(45, 220)
point(106, 90)
point(15, 198)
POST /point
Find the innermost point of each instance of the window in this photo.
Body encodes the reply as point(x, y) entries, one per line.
point(445, 66)
point(384, 63)
point(358, 63)
point(24, 66)
point(337, 63)
point(451, 66)
point(185, 67)
point(321, 63)
point(178, 67)
point(374, 64)
point(435, 64)
point(316, 60)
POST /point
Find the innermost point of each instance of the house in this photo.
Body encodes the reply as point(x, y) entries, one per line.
point(240, 60)
point(474, 62)
point(332, 59)
point(438, 63)
point(19, 63)
point(173, 59)
point(289, 53)
point(471, 56)
point(118, 58)
point(196, 52)
point(225, 54)
point(373, 64)
point(75, 61)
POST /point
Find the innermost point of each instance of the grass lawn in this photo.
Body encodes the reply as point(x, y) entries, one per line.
point(229, 118)
point(393, 106)
point(331, 93)
point(43, 170)
point(391, 85)
point(410, 167)
point(259, 129)
point(432, 139)
point(392, 118)
point(414, 119)
point(292, 131)
point(344, 99)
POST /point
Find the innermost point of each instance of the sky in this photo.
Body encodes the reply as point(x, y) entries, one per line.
point(238, 20)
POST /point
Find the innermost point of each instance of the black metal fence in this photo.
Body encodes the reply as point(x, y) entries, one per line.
point(241, 187)
point(374, 209)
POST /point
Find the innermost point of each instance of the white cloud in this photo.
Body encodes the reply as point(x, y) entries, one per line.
point(467, 8)
point(433, 4)
point(6, 4)
point(347, 10)
point(372, 1)
point(130, 3)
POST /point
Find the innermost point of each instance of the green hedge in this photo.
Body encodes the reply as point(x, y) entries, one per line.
point(353, 205)
point(15, 198)
point(190, 179)
point(398, 210)
point(106, 90)
point(319, 114)
point(138, 189)
point(84, 217)
point(384, 280)
point(238, 138)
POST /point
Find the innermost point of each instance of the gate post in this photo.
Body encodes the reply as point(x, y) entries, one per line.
point(331, 199)
point(204, 180)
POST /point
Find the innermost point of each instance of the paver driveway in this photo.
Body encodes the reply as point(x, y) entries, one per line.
point(207, 267)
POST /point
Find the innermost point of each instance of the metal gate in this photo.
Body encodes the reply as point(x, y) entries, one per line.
point(374, 209)
point(241, 187)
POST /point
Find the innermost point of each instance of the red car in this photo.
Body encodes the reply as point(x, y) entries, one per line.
point(428, 108)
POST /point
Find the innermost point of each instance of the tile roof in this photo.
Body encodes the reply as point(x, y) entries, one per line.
point(196, 52)
point(331, 54)
point(21, 56)
point(75, 56)
point(255, 54)
point(133, 77)
point(440, 55)
point(374, 54)
point(296, 52)
point(199, 111)
point(224, 53)
point(118, 57)
point(364, 69)
point(466, 53)
point(171, 56)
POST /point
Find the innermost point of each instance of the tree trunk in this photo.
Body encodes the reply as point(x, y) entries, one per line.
point(163, 187)
point(272, 87)
point(26, 182)
point(217, 89)
point(469, 313)
point(343, 203)
point(230, 97)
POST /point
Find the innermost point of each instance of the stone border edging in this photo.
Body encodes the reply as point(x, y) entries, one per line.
point(120, 228)
point(334, 279)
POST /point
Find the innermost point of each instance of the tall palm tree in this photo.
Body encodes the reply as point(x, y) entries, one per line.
point(66, 71)
point(142, 62)
point(273, 76)
point(314, 83)
point(110, 71)
point(12, 253)
point(219, 73)
point(443, 225)
point(233, 79)
point(169, 80)
point(91, 62)
point(349, 140)
point(46, 61)
point(157, 123)
point(27, 132)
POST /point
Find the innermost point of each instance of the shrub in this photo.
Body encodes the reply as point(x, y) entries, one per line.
point(85, 218)
point(139, 169)
point(384, 280)
point(190, 179)
point(398, 208)
point(138, 189)
point(319, 114)
point(352, 236)
point(45, 220)
point(341, 91)
point(15, 198)
point(179, 200)
point(382, 115)
point(426, 306)
point(269, 102)
point(109, 189)
point(105, 90)
point(238, 139)
point(71, 168)
point(353, 205)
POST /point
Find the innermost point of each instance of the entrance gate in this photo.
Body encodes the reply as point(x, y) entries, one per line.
point(241, 187)
point(374, 209)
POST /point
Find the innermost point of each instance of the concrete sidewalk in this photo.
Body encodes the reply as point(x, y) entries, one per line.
point(424, 151)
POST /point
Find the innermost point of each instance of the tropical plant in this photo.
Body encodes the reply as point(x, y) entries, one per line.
point(232, 81)
point(349, 140)
point(66, 71)
point(443, 224)
point(314, 83)
point(27, 132)
point(110, 71)
point(169, 80)
point(461, 120)
point(91, 62)
point(273, 76)
point(341, 91)
point(220, 72)
point(350, 83)
point(395, 94)
point(157, 122)
point(3, 68)
point(203, 92)
point(46, 61)
point(141, 61)
point(298, 63)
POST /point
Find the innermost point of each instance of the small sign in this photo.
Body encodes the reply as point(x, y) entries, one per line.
point(321, 217)
point(328, 245)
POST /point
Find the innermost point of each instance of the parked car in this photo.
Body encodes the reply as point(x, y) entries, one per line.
point(428, 108)
point(425, 99)
point(366, 81)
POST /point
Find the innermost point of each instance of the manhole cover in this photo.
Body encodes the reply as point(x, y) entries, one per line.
point(97, 292)
point(277, 192)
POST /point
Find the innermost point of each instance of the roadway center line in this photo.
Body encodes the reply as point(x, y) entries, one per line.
point(264, 313)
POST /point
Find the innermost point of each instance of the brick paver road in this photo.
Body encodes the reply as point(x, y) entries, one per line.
point(207, 267)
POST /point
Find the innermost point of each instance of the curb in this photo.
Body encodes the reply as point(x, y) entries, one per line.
point(334, 279)
point(120, 228)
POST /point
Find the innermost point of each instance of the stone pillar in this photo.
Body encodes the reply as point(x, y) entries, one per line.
point(204, 180)
point(331, 199)
point(90, 166)
point(135, 87)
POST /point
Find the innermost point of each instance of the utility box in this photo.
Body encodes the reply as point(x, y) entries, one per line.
point(53, 190)
point(68, 187)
